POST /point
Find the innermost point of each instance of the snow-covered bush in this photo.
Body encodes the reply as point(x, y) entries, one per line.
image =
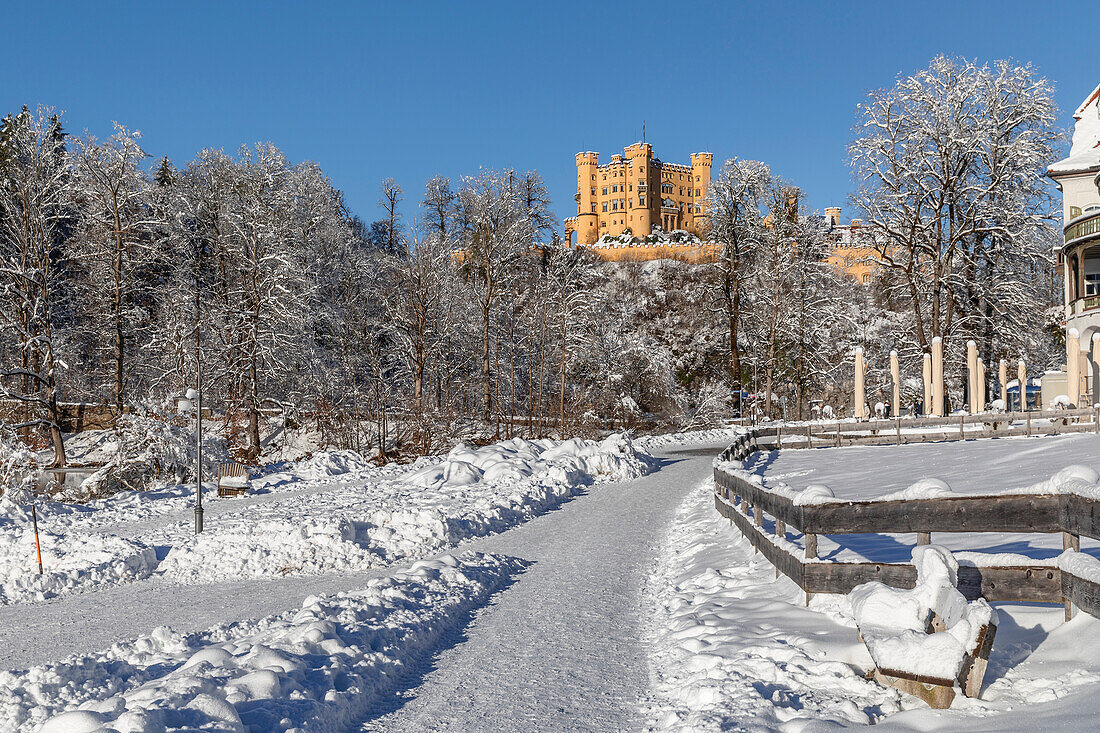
point(19, 467)
point(145, 449)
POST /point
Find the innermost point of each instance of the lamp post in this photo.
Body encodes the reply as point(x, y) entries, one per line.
point(193, 400)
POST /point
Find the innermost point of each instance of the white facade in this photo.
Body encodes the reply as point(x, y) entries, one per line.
point(1078, 178)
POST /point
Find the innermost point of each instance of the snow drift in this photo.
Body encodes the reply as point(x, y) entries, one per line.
point(319, 668)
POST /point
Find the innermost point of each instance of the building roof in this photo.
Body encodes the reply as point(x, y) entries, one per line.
point(1084, 153)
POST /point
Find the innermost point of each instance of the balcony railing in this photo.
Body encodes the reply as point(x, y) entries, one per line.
point(1083, 227)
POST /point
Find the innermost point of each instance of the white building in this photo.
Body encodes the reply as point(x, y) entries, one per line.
point(1078, 177)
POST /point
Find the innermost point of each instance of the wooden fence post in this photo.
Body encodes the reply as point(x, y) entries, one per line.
point(810, 436)
point(962, 427)
point(780, 529)
point(811, 546)
point(778, 438)
point(899, 430)
point(924, 538)
point(1070, 541)
point(838, 434)
point(1029, 423)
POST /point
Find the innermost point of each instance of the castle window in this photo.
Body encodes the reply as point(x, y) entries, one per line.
point(641, 201)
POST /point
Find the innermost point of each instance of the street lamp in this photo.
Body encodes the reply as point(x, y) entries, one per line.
point(193, 401)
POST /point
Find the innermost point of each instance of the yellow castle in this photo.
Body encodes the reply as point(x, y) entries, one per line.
point(637, 191)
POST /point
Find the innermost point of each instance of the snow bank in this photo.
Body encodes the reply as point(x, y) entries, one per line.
point(318, 668)
point(715, 435)
point(733, 648)
point(893, 622)
point(72, 563)
point(440, 502)
point(266, 548)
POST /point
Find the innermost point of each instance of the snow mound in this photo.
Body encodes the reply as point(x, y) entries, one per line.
point(318, 668)
point(330, 463)
point(1083, 566)
point(814, 494)
point(269, 547)
point(893, 622)
point(71, 563)
point(571, 461)
point(925, 488)
point(715, 435)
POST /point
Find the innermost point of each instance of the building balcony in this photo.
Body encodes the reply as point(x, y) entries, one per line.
point(1084, 228)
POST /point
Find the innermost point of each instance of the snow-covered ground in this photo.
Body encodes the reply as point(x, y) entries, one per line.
point(633, 605)
point(331, 513)
point(320, 667)
point(733, 647)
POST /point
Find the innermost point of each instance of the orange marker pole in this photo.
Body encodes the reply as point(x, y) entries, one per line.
point(37, 544)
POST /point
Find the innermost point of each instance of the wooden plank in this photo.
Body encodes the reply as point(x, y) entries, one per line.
point(778, 506)
point(784, 561)
point(1012, 513)
point(1081, 593)
point(1034, 584)
point(1031, 584)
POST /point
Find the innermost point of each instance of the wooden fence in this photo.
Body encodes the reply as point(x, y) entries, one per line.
point(954, 427)
point(745, 503)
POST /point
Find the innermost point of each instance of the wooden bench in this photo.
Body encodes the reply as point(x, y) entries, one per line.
point(232, 479)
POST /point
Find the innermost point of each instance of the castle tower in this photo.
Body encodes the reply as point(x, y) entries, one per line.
point(700, 174)
point(639, 157)
point(586, 225)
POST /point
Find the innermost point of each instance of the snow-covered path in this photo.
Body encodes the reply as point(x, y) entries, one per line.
point(561, 648)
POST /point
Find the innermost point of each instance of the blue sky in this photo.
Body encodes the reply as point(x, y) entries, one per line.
point(410, 90)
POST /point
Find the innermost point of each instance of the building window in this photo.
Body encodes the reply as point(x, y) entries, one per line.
point(605, 206)
point(641, 201)
point(696, 179)
point(1074, 212)
point(605, 190)
point(593, 208)
point(593, 192)
point(697, 193)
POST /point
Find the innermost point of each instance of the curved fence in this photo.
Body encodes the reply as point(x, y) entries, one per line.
point(745, 503)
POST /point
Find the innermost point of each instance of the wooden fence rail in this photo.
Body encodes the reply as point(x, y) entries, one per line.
point(744, 503)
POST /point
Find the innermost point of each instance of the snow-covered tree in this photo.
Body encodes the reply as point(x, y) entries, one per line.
point(36, 214)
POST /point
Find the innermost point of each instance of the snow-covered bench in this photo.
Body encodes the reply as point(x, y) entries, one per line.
point(232, 479)
point(928, 641)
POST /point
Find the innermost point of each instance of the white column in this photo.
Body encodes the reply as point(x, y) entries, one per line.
point(980, 407)
point(926, 371)
point(1002, 375)
point(937, 376)
point(1021, 377)
point(860, 395)
point(1073, 367)
point(1096, 368)
point(895, 372)
point(972, 376)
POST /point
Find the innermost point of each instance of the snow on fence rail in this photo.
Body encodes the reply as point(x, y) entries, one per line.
point(1071, 514)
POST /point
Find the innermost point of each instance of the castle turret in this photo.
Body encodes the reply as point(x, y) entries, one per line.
point(700, 175)
point(587, 221)
point(639, 203)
